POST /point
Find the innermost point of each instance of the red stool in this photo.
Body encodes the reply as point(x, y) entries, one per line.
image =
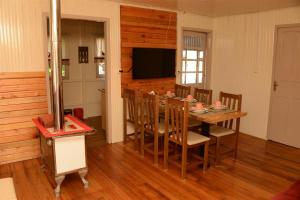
point(78, 112)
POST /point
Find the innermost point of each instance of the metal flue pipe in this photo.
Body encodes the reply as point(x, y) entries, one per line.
point(56, 65)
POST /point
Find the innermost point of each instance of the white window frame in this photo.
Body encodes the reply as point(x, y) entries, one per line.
point(206, 59)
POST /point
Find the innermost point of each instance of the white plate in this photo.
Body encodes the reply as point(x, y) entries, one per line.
point(171, 96)
point(223, 107)
point(190, 101)
point(195, 110)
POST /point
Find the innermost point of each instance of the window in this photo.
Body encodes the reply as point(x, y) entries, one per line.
point(100, 58)
point(193, 58)
point(100, 70)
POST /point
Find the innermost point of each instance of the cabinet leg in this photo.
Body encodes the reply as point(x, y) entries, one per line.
point(82, 173)
point(58, 180)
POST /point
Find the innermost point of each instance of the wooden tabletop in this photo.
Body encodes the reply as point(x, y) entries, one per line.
point(215, 117)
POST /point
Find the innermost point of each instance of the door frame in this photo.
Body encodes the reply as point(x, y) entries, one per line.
point(275, 46)
point(106, 22)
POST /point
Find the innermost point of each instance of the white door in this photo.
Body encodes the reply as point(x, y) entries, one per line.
point(284, 117)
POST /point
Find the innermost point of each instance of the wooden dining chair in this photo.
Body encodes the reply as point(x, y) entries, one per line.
point(130, 116)
point(152, 125)
point(182, 91)
point(176, 119)
point(229, 127)
point(203, 95)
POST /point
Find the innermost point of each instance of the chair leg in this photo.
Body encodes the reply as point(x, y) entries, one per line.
point(206, 148)
point(166, 152)
point(142, 147)
point(135, 141)
point(156, 149)
point(183, 162)
point(124, 132)
point(236, 145)
point(217, 150)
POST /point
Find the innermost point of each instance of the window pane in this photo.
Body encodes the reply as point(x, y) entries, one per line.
point(183, 78)
point(184, 54)
point(190, 78)
point(191, 66)
point(200, 66)
point(200, 77)
point(183, 66)
point(191, 54)
point(201, 54)
point(101, 69)
point(63, 70)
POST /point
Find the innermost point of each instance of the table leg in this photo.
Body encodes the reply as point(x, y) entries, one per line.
point(205, 129)
point(205, 132)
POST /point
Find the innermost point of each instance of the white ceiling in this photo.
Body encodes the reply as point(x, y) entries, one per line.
point(216, 8)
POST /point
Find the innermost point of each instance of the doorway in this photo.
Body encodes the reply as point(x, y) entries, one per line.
point(83, 72)
point(284, 116)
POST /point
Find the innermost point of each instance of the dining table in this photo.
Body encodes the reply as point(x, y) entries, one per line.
point(208, 115)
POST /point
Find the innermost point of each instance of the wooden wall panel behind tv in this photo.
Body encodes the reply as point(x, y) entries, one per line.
point(23, 96)
point(147, 28)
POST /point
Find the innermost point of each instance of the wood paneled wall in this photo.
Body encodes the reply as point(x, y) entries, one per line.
point(23, 96)
point(142, 27)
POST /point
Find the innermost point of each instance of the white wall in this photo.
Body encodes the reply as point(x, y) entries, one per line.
point(21, 36)
point(243, 58)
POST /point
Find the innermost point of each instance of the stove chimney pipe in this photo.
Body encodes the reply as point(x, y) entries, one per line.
point(56, 65)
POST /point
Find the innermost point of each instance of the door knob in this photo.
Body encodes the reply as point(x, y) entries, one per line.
point(275, 85)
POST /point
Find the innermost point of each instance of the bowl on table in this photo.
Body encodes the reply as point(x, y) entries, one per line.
point(190, 99)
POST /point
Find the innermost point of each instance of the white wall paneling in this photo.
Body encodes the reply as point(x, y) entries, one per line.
point(21, 36)
point(243, 58)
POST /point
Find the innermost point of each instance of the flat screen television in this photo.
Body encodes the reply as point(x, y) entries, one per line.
point(153, 63)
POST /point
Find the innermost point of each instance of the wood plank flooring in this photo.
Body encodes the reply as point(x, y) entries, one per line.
point(116, 171)
point(99, 137)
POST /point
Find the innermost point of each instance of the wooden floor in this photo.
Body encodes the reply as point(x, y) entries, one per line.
point(117, 172)
point(99, 138)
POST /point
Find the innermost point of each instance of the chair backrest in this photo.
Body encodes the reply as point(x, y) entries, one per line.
point(203, 95)
point(182, 91)
point(233, 102)
point(130, 105)
point(176, 120)
point(150, 112)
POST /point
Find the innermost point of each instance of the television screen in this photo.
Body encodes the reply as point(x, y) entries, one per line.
point(153, 63)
